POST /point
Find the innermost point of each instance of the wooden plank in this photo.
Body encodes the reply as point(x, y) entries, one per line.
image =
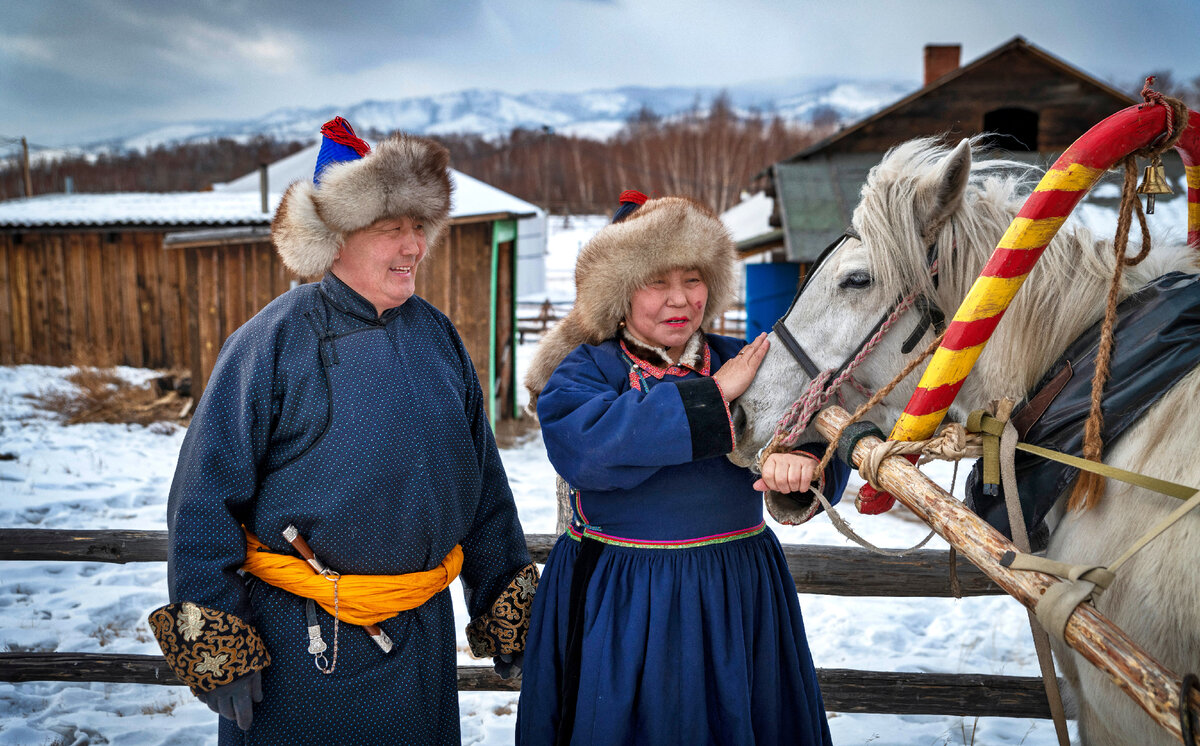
point(209, 294)
point(264, 267)
point(470, 291)
point(99, 349)
point(110, 251)
point(39, 306)
point(433, 274)
point(58, 345)
point(190, 281)
point(131, 323)
point(78, 333)
point(149, 298)
point(834, 571)
point(505, 310)
point(7, 356)
point(882, 692)
point(50, 545)
point(233, 289)
point(173, 302)
point(19, 276)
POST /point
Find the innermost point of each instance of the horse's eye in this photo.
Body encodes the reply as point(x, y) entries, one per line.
point(860, 279)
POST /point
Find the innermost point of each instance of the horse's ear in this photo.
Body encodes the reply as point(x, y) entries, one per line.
point(950, 185)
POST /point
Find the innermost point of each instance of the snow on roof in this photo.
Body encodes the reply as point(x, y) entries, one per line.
point(235, 203)
point(137, 208)
point(749, 218)
point(471, 196)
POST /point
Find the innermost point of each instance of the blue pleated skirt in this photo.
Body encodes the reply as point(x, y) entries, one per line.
point(702, 645)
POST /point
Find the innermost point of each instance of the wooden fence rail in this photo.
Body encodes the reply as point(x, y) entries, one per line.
point(836, 571)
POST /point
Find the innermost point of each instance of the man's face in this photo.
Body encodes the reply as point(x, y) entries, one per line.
point(380, 261)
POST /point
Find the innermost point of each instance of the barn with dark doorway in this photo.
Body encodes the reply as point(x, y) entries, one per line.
point(1031, 104)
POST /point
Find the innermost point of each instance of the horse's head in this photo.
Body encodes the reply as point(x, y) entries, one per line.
point(902, 223)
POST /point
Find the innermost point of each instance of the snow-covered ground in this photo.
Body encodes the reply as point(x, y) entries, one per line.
point(117, 477)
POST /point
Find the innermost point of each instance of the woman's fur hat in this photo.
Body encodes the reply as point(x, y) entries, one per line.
point(405, 176)
point(661, 235)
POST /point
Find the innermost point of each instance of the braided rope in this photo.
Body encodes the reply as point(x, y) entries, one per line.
point(1089, 487)
point(800, 415)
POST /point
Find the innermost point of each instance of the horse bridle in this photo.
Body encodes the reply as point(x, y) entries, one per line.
point(931, 315)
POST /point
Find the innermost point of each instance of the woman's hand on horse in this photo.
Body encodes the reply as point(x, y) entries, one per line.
point(787, 472)
point(736, 374)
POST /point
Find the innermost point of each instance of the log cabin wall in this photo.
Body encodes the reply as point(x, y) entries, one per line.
point(116, 297)
point(91, 297)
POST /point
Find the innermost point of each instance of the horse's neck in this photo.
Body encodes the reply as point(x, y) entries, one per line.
point(1065, 294)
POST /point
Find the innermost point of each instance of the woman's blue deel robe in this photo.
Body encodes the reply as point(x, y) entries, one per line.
point(692, 632)
point(368, 433)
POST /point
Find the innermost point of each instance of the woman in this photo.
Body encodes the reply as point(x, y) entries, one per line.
point(666, 613)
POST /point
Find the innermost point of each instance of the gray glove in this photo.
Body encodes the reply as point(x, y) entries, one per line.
point(235, 700)
point(508, 665)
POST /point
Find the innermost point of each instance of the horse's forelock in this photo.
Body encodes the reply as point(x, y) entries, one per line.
point(903, 189)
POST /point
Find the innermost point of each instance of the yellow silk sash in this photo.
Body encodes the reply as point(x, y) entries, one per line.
point(362, 599)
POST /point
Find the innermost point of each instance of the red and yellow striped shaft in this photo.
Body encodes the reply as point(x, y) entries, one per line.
point(1043, 213)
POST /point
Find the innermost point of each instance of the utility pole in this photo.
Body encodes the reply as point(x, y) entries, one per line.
point(547, 131)
point(25, 163)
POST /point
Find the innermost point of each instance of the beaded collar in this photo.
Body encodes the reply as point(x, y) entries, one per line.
point(696, 357)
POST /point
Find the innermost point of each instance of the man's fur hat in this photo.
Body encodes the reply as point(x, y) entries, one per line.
point(405, 176)
point(661, 235)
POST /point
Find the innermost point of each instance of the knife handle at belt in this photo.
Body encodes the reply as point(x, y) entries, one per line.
point(292, 534)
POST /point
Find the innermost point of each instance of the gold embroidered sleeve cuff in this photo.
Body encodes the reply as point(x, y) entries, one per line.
point(207, 648)
point(502, 629)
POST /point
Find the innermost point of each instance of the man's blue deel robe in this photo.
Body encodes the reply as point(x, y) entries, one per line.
point(368, 433)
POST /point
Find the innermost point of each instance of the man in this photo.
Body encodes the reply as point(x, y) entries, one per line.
point(344, 423)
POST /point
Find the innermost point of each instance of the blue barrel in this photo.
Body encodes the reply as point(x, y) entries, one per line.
point(769, 291)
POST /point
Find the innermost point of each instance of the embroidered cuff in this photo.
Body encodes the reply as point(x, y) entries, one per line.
point(207, 648)
point(502, 629)
point(707, 416)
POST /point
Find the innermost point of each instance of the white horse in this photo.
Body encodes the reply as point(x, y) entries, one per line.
point(923, 194)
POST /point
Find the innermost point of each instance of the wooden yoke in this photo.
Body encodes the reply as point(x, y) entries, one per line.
point(1147, 682)
point(1044, 212)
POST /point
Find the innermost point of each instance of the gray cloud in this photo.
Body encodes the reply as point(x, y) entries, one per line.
point(69, 67)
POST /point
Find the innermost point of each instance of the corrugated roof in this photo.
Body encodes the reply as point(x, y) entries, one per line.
point(136, 209)
point(235, 203)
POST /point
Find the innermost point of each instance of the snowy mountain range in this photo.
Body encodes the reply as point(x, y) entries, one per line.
point(597, 113)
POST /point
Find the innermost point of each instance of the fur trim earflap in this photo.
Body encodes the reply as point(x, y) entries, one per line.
point(405, 176)
point(661, 235)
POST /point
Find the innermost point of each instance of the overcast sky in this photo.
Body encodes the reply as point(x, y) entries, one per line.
point(70, 68)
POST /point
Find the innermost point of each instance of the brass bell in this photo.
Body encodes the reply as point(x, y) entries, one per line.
point(1154, 182)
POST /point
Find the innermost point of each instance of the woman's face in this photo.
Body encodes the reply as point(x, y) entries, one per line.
point(380, 261)
point(668, 310)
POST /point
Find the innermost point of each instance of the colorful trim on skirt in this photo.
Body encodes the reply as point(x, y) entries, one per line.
point(703, 541)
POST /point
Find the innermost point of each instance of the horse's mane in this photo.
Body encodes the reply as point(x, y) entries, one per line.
point(1065, 292)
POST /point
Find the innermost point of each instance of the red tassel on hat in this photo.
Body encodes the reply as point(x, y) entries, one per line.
point(340, 131)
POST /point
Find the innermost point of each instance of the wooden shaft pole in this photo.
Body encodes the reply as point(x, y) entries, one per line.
point(1146, 681)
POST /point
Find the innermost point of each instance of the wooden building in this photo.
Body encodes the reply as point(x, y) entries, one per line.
point(1031, 103)
point(160, 280)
